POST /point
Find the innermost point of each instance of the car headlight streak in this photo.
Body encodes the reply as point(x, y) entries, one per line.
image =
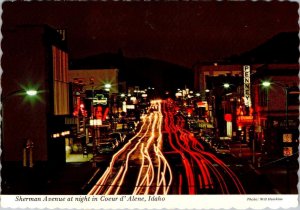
point(154, 176)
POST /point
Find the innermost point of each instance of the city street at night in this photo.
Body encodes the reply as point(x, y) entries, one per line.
point(164, 158)
point(156, 102)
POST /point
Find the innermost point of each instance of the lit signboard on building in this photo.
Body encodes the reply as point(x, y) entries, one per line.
point(95, 122)
point(228, 117)
point(287, 151)
point(202, 104)
point(247, 86)
point(245, 120)
point(100, 101)
point(287, 137)
point(130, 106)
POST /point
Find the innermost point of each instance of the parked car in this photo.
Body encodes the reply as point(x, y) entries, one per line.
point(115, 141)
point(223, 149)
point(117, 135)
point(131, 126)
point(214, 145)
point(105, 148)
point(208, 139)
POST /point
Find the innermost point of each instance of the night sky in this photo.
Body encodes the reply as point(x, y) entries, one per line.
point(178, 32)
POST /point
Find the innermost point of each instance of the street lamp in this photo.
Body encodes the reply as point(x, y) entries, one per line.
point(285, 88)
point(107, 87)
point(28, 92)
point(266, 83)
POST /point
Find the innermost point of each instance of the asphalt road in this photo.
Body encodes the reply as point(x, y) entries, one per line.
point(139, 167)
point(164, 158)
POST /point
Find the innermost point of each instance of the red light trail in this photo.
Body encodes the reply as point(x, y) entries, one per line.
point(203, 163)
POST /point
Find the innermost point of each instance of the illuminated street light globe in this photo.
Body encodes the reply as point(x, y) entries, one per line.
point(107, 86)
point(266, 83)
point(28, 92)
point(226, 85)
point(31, 92)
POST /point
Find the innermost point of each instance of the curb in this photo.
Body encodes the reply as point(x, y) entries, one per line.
point(275, 190)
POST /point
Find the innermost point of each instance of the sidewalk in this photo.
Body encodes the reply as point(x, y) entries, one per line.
point(279, 172)
point(73, 178)
point(69, 179)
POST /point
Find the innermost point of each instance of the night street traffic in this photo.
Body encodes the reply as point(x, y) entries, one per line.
point(141, 104)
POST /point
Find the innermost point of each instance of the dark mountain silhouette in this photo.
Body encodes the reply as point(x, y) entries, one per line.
point(282, 48)
point(142, 72)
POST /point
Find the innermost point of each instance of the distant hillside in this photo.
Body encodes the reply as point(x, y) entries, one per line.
point(282, 48)
point(140, 71)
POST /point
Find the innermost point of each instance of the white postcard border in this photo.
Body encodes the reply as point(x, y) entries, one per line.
point(149, 202)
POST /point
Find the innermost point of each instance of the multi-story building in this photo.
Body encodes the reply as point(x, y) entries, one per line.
point(34, 56)
point(214, 69)
point(209, 81)
point(261, 109)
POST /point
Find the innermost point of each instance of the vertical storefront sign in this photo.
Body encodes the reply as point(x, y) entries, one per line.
point(247, 86)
